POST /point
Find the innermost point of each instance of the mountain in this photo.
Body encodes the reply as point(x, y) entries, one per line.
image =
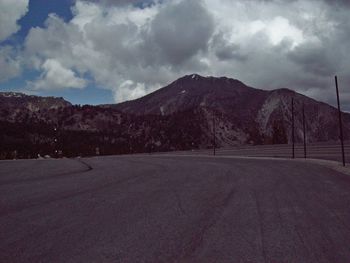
point(195, 91)
point(179, 116)
point(243, 114)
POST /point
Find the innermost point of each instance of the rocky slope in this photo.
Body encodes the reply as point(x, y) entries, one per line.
point(88, 130)
point(16, 106)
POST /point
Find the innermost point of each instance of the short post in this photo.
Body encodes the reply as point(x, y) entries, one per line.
point(55, 142)
point(340, 122)
point(304, 131)
point(293, 150)
point(214, 139)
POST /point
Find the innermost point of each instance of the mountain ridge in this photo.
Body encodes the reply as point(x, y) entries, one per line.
point(179, 116)
point(236, 105)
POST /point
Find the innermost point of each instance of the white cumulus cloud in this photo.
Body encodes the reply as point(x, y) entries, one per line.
point(10, 60)
point(132, 51)
point(10, 12)
point(56, 76)
point(10, 65)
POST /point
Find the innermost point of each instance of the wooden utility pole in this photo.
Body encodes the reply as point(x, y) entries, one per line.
point(340, 122)
point(304, 131)
point(293, 150)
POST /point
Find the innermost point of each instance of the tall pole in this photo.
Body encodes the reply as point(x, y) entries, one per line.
point(293, 150)
point(340, 122)
point(214, 140)
point(304, 131)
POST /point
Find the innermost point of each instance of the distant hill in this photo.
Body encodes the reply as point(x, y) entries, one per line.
point(177, 117)
point(20, 101)
point(16, 106)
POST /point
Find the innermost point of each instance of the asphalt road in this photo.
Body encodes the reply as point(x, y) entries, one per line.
point(173, 209)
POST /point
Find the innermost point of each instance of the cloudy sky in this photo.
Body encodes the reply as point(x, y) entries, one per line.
point(91, 51)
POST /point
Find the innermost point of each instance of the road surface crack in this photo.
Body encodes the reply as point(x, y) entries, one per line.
point(261, 226)
point(207, 222)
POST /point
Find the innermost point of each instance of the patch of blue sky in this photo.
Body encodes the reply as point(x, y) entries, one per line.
point(38, 13)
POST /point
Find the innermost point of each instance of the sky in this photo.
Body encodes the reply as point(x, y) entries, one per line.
point(109, 51)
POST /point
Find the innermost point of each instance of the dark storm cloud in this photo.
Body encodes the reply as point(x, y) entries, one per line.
point(338, 2)
point(182, 29)
point(315, 59)
point(229, 52)
point(330, 2)
point(141, 3)
point(225, 51)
